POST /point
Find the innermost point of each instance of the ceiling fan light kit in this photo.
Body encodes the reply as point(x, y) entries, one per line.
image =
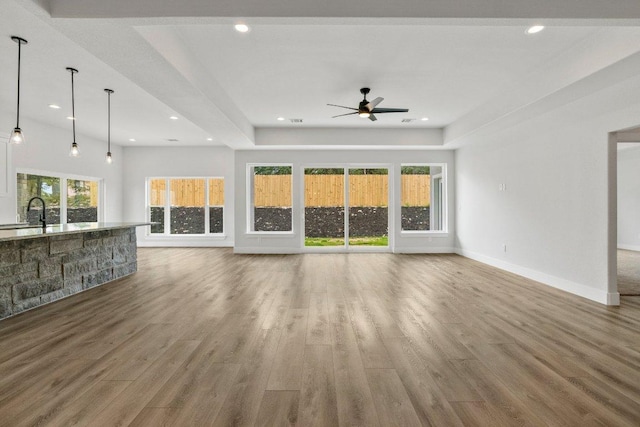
point(368, 109)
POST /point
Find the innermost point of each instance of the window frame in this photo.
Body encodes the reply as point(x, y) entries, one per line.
point(250, 199)
point(166, 234)
point(444, 208)
point(63, 191)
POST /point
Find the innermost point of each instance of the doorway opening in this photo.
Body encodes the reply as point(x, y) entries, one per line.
point(627, 236)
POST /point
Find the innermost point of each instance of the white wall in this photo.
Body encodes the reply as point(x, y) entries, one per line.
point(554, 216)
point(353, 137)
point(629, 198)
point(47, 150)
point(291, 243)
point(141, 163)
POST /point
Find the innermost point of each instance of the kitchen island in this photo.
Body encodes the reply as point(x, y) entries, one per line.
point(38, 266)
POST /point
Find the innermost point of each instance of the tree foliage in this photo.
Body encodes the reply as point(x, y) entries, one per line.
point(272, 170)
point(415, 170)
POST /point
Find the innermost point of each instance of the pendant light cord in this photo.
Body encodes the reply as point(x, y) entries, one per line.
point(18, 108)
point(73, 108)
point(109, 122)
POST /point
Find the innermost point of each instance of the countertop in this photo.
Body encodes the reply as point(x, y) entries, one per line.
point(58, 229)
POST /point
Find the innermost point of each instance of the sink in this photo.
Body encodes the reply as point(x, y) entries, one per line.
point(18, 226)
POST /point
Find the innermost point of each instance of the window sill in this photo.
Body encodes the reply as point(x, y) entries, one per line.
point(425, 233)
point(271, 233)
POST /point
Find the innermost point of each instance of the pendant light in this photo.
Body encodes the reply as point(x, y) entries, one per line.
point(17, 137)
point(109, 159)
point(75, 152)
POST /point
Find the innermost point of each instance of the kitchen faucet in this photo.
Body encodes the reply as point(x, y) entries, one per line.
point(43, 215)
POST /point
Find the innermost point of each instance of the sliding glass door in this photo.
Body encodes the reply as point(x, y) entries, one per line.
point(324, 207)
point(368, 207)
point(346, 207)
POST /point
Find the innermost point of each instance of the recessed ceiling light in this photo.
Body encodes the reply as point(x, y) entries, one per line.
point(424, 119)
point(173, 118)
point(54, 106)
point(70, 117)
point(241, 28)
point(280, 119)
point(209, 139)
point(132, 139)
point(535, 29)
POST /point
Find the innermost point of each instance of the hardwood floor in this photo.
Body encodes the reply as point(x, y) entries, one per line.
point(203, 337)
point(628, 272)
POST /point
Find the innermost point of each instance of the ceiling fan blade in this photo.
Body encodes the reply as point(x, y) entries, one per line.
point(372, 117)
point(371, 105)
point(390, 110)
point(340, 115)
point(342, 106)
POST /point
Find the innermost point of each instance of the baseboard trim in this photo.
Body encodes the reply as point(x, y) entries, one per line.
point(597, 295)
point(267, 250)
point(423, 250)
point(629, 247)
point(184, 244)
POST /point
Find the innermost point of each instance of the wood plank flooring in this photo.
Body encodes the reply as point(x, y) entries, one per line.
point(201, 337)
point(628, 272)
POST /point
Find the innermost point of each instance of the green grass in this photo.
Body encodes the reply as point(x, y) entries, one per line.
point(354, 241)
point(369, 241)
point(324, 241)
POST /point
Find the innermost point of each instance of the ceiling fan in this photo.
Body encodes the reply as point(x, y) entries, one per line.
point(367, 109)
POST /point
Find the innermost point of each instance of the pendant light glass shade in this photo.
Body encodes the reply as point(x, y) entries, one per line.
point(109, 160)
point(75, 151)
point(17, 137)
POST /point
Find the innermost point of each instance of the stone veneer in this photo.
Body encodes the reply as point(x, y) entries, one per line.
point(42, 269)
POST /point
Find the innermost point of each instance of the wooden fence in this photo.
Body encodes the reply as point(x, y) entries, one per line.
point(319, 191)
point(187, 192)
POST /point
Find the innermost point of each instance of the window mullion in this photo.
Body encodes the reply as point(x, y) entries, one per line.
point(167, 207)
point(63, 199)
point(207, 220)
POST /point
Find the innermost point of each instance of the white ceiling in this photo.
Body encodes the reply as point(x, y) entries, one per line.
point(293, 71)
point(223, 84)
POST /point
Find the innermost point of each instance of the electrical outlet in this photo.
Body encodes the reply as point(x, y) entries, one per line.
point(502, 187)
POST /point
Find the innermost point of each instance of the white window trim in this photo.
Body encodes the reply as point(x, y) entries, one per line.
point(249, 231)
point(166, 234)
point(445, 206)
point(63, 177)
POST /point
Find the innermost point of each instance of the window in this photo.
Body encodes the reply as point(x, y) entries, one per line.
point(45, 187)
point(270, 198)
point(81, 203)
point(216, 205)
point(423, 197)
point(186, 215)
point(157, 199)
point(185, 206)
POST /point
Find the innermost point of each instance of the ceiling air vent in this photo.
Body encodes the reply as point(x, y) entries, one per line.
point(172, 140)
point(295, 120)
point(408, 120)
